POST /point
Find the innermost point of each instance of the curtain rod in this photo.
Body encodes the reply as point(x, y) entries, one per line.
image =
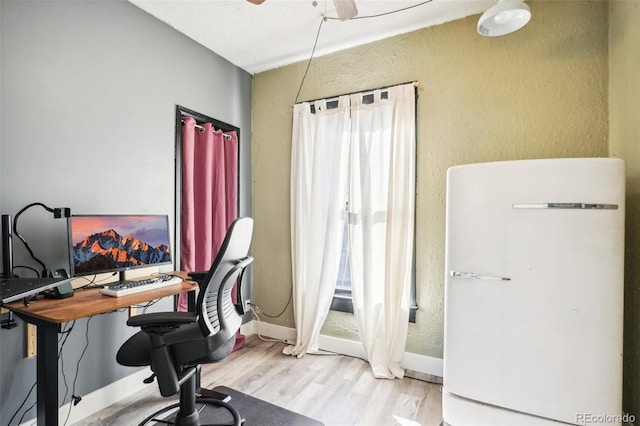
point(201, 128)
point(415, 84)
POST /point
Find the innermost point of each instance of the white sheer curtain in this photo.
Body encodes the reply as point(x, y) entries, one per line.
point(368, 148)
point(319, 159)
point(381, 223)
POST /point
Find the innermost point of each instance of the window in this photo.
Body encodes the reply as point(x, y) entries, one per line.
point(342, 294)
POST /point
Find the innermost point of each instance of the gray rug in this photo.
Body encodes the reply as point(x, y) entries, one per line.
point(254, 411)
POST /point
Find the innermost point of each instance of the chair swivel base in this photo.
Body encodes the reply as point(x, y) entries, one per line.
point(194, 418)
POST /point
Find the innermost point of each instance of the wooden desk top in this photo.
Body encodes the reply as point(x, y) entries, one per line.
point(88, 302)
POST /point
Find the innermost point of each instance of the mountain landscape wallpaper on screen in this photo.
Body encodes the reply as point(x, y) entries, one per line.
point(109, 250)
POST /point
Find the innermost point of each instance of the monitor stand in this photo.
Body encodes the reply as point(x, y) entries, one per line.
point(7, 247)
point(9, 323)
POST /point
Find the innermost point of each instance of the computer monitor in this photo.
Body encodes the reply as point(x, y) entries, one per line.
point(116, 243)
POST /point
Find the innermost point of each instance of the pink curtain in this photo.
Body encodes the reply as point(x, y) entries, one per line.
point(209, 197)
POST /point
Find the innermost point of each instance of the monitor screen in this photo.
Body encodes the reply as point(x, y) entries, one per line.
point(108, 243)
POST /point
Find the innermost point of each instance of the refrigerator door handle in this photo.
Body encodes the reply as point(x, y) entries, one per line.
point(474, 276)
point(573, 206)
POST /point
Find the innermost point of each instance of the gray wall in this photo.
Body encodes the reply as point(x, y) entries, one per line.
point(88, 95)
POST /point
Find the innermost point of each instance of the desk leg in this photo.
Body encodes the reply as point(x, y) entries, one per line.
point(47, 374)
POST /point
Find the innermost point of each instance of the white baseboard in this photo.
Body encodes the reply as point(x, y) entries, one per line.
point(415, 362)
point(101, 398)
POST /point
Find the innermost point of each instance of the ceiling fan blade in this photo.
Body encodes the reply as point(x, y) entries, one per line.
point(346, 9)
point(256, 1)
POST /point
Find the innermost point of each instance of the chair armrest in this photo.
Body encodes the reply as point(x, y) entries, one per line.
point(162, 319)
point(242, 265)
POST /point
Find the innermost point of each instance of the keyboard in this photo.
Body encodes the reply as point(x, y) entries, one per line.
point(123, 288)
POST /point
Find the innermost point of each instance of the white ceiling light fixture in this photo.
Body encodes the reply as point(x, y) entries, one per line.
point(504, 18)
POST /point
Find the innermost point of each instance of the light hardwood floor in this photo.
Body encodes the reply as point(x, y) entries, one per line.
point(335, 389)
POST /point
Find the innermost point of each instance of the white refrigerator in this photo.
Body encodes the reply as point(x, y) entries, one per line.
point(534, 292)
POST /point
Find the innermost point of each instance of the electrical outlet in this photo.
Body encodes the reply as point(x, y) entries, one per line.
point(247, 305)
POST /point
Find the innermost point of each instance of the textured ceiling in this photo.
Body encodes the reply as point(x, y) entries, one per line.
point(280, 32)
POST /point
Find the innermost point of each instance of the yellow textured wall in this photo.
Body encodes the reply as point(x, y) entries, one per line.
point(538, 93)
point(624, 119)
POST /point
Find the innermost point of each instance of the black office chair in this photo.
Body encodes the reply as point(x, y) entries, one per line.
point(174, 344)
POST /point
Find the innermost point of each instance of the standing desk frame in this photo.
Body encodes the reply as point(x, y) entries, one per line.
point(49, 314)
